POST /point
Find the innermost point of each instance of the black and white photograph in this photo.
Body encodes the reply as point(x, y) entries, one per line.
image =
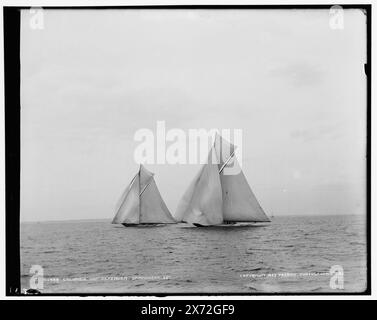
point(193, 150)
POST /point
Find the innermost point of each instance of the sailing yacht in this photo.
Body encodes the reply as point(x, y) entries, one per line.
point(215, 197)
point(141, 203)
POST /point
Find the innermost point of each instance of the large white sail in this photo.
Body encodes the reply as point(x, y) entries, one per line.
point(202, 202)
point(218, 193)
point(239, 201)
point(185, 202)
point(142, 202)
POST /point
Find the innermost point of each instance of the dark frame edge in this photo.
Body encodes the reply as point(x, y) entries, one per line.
point(368, 11)
point(11, 27)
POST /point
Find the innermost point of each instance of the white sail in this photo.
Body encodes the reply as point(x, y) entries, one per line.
point(145, 177)
point(128, 210)
point(214, 197)
point(239, 201)
point(185, 201)
point(152, 207)
point(142, 202)
point(202, 203)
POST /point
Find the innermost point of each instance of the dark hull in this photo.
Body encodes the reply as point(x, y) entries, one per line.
point(143, 224)
point(199, 225)
point(233, 224)
point(223, 224)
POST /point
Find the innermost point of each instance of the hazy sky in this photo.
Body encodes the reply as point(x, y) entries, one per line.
point(295, 87)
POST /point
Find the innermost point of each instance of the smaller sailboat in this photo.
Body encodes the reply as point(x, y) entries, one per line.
point(141, 203)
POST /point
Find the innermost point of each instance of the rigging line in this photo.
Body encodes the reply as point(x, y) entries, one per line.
point(150, 180)
point(226, 162)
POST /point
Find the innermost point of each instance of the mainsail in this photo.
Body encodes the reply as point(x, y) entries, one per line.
point(202, 202)
point(141, 202)
point(215, 197)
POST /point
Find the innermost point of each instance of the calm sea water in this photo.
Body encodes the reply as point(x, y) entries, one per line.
point(292, 254)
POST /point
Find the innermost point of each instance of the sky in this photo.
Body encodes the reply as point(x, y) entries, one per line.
point(294, 86)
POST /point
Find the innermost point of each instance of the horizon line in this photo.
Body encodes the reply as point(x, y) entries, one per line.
point(273, 216)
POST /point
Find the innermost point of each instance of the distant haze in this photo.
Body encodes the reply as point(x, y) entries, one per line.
point(91, 78)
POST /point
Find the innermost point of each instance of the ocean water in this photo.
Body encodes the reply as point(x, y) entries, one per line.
point(291, 254)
